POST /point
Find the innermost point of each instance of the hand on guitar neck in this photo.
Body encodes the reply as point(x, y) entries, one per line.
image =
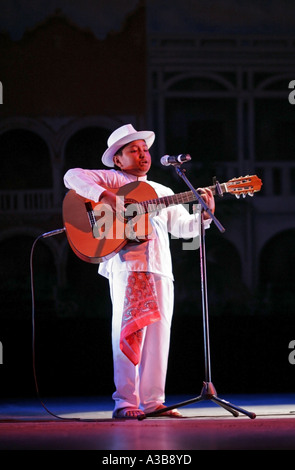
point(208, 197)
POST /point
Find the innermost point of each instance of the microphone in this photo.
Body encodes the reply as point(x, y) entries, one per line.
point(172, 160)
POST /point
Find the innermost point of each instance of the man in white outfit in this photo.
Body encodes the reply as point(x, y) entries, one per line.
point(140, 274)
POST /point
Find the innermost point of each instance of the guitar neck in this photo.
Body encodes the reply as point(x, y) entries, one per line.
point(152, 205)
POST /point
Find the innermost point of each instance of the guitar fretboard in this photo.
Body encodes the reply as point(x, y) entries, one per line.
point(154, 205)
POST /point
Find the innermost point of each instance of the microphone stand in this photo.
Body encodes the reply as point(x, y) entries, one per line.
point(208, 391)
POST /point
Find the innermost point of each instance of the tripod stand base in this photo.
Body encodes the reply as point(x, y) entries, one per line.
point(208, 392)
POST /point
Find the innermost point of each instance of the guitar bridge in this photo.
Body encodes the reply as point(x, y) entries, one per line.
point(90, 214)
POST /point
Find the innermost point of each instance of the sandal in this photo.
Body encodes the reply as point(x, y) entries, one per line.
point(127, 413)
point(170, 413)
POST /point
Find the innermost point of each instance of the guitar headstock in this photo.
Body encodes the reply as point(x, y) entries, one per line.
point(244, 186)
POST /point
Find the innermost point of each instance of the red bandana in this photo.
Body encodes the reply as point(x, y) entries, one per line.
point(140, 309)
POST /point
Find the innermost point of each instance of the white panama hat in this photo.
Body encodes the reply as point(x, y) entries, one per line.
point(122, 136)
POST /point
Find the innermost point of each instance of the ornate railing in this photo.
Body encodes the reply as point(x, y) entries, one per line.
point(278, 180)
point(27, 201)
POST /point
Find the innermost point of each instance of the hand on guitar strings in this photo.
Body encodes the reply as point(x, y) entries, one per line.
point(115, 202)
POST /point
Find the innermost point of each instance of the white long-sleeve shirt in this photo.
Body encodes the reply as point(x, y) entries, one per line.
point(153, 255)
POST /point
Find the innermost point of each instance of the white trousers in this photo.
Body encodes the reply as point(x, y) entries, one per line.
point(142, 386)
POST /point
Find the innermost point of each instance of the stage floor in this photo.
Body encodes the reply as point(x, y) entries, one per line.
point(86, 424)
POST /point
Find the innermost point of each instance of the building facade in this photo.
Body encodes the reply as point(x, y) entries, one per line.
point(227, 102)
point(224, 100)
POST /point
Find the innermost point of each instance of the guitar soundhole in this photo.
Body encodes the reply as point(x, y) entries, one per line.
point(133, 209)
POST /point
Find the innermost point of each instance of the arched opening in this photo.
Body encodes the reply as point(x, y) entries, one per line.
point(85, 293)
point(85, 148)
point(200, 119)
point(25, 161)
point(274, 130)
point(277, 275)
point(204, 128)
point(227, 294)
point(15, 287)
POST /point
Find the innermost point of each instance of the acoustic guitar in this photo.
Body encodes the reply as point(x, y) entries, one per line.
point(96, 233)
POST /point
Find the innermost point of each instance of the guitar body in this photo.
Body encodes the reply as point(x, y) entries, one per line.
point(96, 233)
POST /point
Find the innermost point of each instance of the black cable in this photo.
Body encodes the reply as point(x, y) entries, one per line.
point(44, 235)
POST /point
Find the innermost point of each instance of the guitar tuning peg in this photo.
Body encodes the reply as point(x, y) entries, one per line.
point(250, 194)
point(244, 195)
point(237, 196)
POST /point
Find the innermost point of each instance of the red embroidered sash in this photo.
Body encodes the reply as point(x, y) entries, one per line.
point(140, 310)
